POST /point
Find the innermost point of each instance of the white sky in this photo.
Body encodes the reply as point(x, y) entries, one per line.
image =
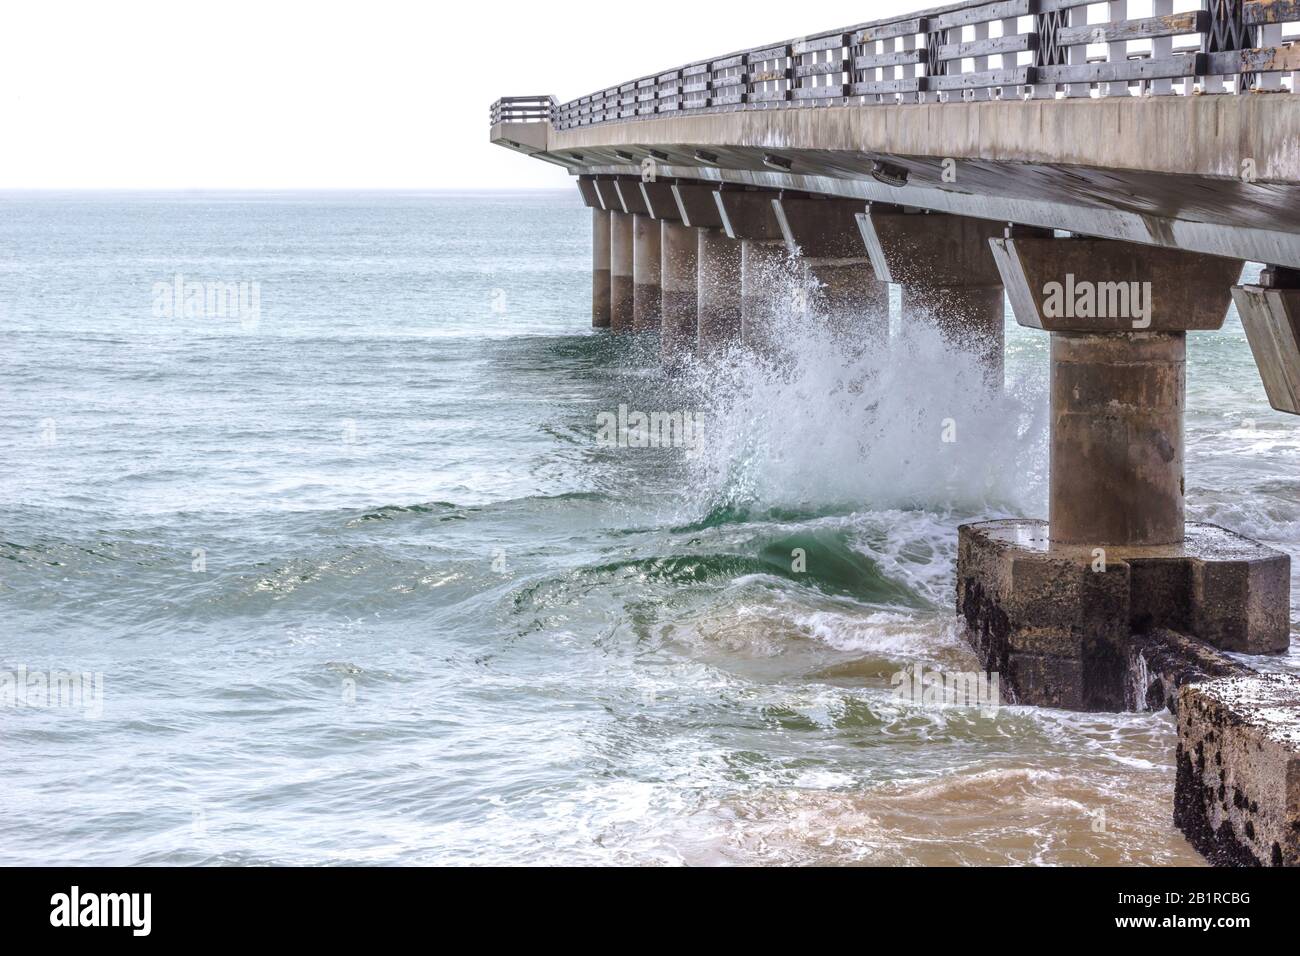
point(139, 94)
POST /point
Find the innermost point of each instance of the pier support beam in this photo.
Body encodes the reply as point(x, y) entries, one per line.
point(1054, 606)
point(947, 276)
point(620, 272)
point(1270, 315)
point(646, 267)
point(680, 299)
point(824, 233)
point(766, 290)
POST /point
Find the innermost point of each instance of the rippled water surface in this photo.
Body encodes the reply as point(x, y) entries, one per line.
point(364, 587)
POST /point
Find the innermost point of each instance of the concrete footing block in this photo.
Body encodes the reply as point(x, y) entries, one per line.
point(1059, 623)
point(1237, 790)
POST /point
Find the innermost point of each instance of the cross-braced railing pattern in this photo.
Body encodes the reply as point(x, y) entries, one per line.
point(522, 109)
point(1008, 49)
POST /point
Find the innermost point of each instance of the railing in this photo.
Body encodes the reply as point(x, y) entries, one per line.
point(523, 109)
point(979, 50)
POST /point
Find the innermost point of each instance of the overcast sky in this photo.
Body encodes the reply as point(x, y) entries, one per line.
point(244, 94)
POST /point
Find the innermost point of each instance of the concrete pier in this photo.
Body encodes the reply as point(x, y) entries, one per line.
point(646, 265)
point(620, 272)
point(824, 234)
point(600, 281)
point(591, 198)
point(768, 294)
point(947, 275)
point(957, 184)
point(717, 262)
point(679, 331)
point(718, 287)
point(1116, 468)
point(1056, 606)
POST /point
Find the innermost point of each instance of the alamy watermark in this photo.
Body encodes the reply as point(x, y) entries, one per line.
point(629, 428)
point(954, 688)
point(82, 691)
point(1098, 300)
point(209, 299)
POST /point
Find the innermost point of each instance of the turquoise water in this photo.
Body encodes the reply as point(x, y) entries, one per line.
point(364, 587)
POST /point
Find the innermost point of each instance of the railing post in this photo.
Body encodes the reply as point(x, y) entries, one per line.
point(1116, 52)
point(1010, 27)
point(979, 64)
point(1048, 53)
point(1077, 53)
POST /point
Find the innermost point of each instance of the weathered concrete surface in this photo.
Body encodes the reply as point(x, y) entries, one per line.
point(823, 233)
point(948, 276)
point(680, 282)
point(1160, 170)
point(1121, 287)
point(600, 268)
point(718, 291)
point(1057, 622)
point(1116, 469)
point(696, 205)
point(646, 265)
point(1271, 319)
point(749, 214)
point(1237, 785)
point(660, 201)
point(620, 271)
point(1162, 662)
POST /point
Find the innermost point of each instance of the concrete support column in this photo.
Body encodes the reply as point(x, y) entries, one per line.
point(824, 234)
point(679, 278)
point(589, 189)
point(1116, 469)
point(1118, 315)
point(1066, 609)
point(646, 259)
point(600, 253)
point(620, 272)
point(947, 275)
point(766, 284)
point(718, 291)
point(717, 264)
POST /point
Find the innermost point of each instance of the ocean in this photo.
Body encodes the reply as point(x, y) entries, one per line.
point(347, 574)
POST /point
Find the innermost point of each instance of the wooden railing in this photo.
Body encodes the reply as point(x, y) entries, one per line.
point(523, 109)
point(979, 50)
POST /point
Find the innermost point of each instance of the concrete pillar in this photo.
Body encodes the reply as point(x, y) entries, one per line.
point(620, 272)
point(600, 252)
point(646, 259)
point(824, 234)
point(1061, 608)
point(717, 264)
point(766, 284)
point(718, 291)
point(1118, 315)
point(679, 301)
point(1116, 468)
point(590, 192)
point(947, 275)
